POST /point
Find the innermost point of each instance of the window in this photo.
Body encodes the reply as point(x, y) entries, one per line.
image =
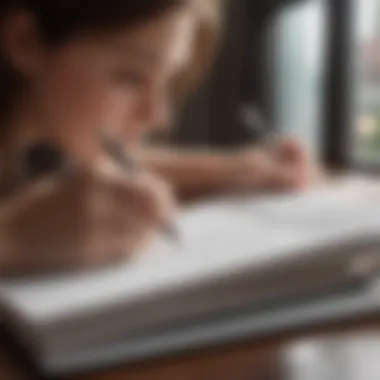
point(367, 80)
point(300, 35)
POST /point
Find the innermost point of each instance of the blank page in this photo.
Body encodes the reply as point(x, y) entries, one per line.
point(217, 239)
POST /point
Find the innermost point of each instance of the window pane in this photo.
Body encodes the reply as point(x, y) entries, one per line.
point(300, 53)
point(367, 78)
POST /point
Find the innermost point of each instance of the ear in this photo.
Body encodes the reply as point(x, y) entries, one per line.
point(20, 42)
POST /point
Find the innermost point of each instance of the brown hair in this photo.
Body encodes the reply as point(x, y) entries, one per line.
point(60, 20)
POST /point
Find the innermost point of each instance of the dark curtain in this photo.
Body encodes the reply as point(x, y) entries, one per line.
point(210, 116)
point(242, 73)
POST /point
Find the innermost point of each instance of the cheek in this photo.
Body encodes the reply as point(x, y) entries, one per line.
point(71, 100)
point(117, 109)
point(76, 97)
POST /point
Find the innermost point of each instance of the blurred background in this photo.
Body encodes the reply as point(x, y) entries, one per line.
point(311, 66)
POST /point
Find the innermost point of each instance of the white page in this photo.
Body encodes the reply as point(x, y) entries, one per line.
point(214, 251)
point(217, 238)
point(353, 203)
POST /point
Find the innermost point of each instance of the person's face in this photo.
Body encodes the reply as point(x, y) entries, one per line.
point(120, 81)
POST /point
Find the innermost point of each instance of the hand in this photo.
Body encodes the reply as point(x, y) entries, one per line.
point(285, 167)
point(84, 221)
point(294, 164)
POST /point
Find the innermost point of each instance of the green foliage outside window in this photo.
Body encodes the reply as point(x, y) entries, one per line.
point(370, 143)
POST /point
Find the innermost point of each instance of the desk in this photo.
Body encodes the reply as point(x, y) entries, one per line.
point(251, 360)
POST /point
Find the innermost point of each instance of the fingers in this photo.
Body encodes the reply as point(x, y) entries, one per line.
point(293, 164)
point(285, 167)
point(146, 196)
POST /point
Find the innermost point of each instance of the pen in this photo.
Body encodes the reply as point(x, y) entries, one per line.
point(119, 155)
point(257, 126)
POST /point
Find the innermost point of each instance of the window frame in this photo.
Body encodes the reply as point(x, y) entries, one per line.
point(337, 128)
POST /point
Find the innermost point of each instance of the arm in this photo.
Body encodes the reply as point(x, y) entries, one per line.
point(195, 173)
point(84, 220)
point(191, 173)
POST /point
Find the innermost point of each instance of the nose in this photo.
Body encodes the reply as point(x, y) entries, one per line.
point(155, 112)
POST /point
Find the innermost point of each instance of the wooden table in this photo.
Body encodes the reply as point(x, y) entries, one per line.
point(250, 360)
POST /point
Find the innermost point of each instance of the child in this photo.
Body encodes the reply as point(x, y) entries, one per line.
point(72, 69)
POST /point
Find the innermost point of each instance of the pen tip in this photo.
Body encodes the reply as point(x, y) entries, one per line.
point(172, 233)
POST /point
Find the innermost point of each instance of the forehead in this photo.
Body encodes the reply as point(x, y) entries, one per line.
point(166, 40)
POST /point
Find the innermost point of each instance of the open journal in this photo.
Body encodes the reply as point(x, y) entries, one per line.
point(242, 266)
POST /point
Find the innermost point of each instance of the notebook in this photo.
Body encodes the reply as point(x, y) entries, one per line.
point(242, 265)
